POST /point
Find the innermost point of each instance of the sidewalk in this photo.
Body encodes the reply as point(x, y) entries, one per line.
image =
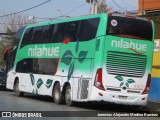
point(154, 106)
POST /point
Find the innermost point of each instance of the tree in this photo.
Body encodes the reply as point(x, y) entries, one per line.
point(11, 24)
point(102, 7)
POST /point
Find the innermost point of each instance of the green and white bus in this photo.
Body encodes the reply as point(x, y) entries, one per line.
point(102, 57)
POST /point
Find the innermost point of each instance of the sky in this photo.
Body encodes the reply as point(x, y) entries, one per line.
point(56, 8)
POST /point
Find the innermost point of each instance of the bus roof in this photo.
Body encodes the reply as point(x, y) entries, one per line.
point(82, 18)
point(66, 20)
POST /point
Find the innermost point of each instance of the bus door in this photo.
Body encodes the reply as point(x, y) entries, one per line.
point(75, 67)
point(82, 80)
point(83, 70)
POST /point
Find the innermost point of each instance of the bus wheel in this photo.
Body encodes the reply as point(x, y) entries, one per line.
point(57, 94)
point(16, 89)
point(68, 98)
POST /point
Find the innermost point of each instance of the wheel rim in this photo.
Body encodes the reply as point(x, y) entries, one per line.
point(56, 94)
point(17, 88)
point(68, 95)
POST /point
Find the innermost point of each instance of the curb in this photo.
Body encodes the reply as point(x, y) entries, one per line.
point(155, 112)
point(154, 101)
point(156, 108)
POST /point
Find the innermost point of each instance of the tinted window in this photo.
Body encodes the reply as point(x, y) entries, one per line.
point(88, 29)
point(47, 34)
point(81, 30)
point(46, 66)
point(129, 27)
point(72, 30)
point(58, 32)
point(24, 66)
point(17, 36)
point(27, 37)
point(37, 35)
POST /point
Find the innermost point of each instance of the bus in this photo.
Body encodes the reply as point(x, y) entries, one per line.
point(101, 57)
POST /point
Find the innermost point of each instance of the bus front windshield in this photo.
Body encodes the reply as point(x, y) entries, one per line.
point(18, 35)
point(129, 28)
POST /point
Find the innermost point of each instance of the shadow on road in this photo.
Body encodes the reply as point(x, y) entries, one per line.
point(98, 106)
point(3, 88)
point(104, 106)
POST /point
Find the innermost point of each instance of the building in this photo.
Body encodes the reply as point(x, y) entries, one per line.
point(151, 9)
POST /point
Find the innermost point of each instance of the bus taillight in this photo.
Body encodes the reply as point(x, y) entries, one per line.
point(110, 14)
point(98, 79)
point(146, 90)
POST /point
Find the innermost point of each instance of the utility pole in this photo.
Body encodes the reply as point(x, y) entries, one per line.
point(94, 5)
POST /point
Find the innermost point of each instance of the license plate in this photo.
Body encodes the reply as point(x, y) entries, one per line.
point(122, 97)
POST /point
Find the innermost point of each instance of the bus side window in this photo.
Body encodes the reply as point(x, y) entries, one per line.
point(88, 29)
point(47, 34)
point(58, 32)
point(72, 30)
point(27, 37)
point(35, 66)
point(47, 66)
point(24, 66)
point(37, 35)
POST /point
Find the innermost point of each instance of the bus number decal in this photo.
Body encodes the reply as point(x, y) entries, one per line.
point(139, 87)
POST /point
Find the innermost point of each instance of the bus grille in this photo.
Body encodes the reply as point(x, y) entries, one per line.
point(126, 64)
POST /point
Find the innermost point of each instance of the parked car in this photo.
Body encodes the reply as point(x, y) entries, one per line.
point(2, 79)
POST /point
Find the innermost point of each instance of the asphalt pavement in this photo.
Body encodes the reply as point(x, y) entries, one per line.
point(153, 106)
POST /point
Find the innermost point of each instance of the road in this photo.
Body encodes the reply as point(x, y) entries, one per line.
point(10, 102)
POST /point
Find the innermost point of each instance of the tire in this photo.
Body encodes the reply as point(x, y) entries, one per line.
point(16, 89)
point(68, 97)
point(58, 98)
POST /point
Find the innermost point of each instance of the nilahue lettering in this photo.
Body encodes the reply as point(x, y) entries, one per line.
point(43, 51)
point(130, 44)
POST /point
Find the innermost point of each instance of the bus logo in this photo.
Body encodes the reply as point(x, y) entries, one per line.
point(124, 82)
point(43, 51)
point(114, 23)
point(129, 45)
